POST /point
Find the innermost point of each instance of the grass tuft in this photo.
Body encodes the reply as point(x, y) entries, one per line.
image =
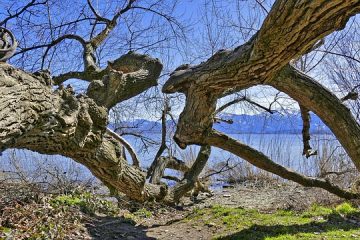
point(316, 223)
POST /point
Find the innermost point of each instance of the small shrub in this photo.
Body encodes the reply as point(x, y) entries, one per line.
point(87, 202)
point(143, 213)
point(346, 209)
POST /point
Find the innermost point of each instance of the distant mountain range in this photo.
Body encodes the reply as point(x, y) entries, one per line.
point(270, 123)
point(258, 124)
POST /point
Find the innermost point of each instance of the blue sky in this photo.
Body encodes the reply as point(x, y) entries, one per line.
point(209, 25)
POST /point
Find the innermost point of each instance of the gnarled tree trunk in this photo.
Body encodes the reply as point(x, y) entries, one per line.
point(34, 116)
point(290, 30)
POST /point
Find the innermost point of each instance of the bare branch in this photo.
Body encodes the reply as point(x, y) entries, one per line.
point(98, 17)
point(54, 42)
point(135, 158)
point(162, 147)
point(192, 176)
point(8, 44)
point(259, 106)
point(305, 115)
point(110, 25)
point(226, 167)
point(69, 75)
point(241, 99)
point(261, 161)
point(262, 6)
point(269, 50)
point(350, 96)
point(318, 99)
point(161, 163)
point(21, 11)
point(339, 54)
point(172, 178)
point(228, 104)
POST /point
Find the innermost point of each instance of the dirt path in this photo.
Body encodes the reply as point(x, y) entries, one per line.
point(170, 223)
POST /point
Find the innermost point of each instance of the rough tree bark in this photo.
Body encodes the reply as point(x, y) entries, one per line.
point(191, 177)
point(325, 104)
point(290, 30)
point(59, 122)
point(34, 116)
point(306, 118)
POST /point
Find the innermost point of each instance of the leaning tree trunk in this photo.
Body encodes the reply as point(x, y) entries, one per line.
point(35, 117)
point(326, 105)
point(290, 30)
point(38, 118)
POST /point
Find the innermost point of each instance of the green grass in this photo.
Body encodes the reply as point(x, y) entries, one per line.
point(87, 202)
point(139, 215)
point(143, 213)
point(316, 223)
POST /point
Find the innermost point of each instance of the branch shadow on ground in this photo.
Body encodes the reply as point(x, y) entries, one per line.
point(106, 228)
point(336, 224)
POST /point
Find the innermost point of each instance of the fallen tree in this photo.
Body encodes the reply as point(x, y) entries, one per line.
point(38, 117)
point(35, 116)
point(291, 29)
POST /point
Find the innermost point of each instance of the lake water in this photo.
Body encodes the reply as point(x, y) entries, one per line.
point(285, 149)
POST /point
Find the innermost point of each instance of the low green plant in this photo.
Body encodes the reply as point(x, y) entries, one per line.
point(143, 213)
point(317, 222)
point(346, 209)
point(88, 203)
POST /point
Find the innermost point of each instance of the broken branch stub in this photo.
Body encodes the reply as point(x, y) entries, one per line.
point(126, 77)
point(8, 44)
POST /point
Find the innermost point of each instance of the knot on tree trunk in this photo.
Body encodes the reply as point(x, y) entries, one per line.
point(44, 76)
point(81, 117)
point(8, 44)
point(197, 118)
point(126, 77)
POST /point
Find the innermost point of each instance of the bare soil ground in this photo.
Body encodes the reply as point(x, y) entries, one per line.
point(171, 223)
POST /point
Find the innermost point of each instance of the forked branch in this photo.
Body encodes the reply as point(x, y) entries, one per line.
point(129, 148)
point(20, 11)
point(261, 161)
point(192, 176)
